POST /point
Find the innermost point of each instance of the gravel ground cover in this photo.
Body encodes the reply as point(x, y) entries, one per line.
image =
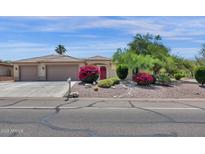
point(179, 89)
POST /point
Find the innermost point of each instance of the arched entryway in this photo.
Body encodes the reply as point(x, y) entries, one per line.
point(103, 72)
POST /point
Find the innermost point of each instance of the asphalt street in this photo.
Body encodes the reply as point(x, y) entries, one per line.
point(102, 117)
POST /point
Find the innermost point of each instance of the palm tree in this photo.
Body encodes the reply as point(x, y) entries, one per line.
point(60, 49)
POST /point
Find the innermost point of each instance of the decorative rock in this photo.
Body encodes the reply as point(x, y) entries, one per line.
point(113, 87)
point(125, 87)
point(94, 83)
point(88, 85)
point(196, 93)
point(96, 88)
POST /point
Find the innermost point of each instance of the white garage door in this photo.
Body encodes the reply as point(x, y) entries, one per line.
point(28, 73)
point(62, 72)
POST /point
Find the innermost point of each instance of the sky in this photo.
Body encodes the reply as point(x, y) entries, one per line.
point(26, 37)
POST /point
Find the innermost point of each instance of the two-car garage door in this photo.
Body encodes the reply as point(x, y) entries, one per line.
point(53, 72)
point(29, 73)
point(62, 72)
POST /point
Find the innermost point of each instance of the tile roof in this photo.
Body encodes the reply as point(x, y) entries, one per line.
point(51, 58)
point(98, 58)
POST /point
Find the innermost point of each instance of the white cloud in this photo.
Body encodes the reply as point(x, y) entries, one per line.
point(14, 50)
point(16, 44)
point(189, 53)
point(199, 41)
point(17, 50)
point(98, 46)
point(87, 36)
point(179, 38)
point(168, 27)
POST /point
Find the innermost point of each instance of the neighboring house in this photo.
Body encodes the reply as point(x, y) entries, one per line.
point(59, 68)
point(6, 71)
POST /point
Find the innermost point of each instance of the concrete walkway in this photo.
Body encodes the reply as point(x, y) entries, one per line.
point(33, 89)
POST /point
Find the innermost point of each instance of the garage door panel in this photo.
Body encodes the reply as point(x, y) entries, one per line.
point(62, 72)
point(28, 73)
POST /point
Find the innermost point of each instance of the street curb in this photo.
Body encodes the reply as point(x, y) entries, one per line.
point(97, 98)
point(107, 108)
point(146, 99)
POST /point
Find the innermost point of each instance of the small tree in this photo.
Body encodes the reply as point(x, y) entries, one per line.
point(170, 66)
point(60, 49)
point(122, 71)
point(133, 61)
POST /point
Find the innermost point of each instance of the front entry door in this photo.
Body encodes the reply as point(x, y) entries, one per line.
point(103, 72)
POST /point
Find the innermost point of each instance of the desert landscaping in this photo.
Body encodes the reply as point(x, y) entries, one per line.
point(180, 89)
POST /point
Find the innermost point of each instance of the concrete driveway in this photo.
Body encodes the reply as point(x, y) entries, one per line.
point(33, 89)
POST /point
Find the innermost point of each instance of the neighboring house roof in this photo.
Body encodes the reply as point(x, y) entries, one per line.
point(50, 58)
point(99, 58)
point(5, 64)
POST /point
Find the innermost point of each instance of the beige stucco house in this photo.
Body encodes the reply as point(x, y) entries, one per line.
point(58, 68)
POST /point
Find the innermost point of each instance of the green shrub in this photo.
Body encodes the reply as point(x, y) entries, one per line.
point(178, 76)
point(122, 71)
point(106, 83)
point(91, 78)
point(163, 79)
point(116, 80)
point(200, 75)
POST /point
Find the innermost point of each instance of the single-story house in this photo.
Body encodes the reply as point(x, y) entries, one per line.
point(59, 68)
point(6, 71)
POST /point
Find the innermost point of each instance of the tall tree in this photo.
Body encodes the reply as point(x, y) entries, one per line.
point(200, 60)
point(202, 51)
point(60, 49)
point(148, 44)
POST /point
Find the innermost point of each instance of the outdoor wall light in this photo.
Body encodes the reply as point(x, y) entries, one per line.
point(43, 68)
point(16, 68)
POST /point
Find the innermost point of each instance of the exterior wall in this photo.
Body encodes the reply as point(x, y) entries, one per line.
point(42, 72)
point(16, 72)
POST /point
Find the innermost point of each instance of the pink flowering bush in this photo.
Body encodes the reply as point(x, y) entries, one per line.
point(89, 73)
point(143, 78)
